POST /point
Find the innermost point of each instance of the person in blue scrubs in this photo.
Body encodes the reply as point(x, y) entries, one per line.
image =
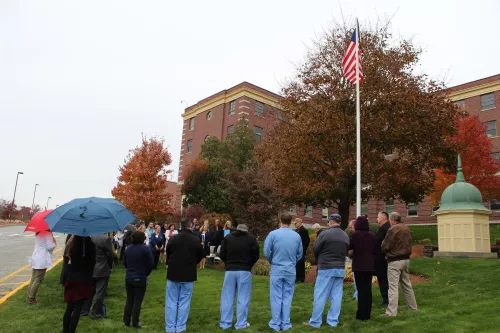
point(184, 252)
point(330, 250)
point(282, 248)
point(240, 252)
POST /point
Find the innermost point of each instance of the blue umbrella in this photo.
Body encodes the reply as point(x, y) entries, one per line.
point(89, 216)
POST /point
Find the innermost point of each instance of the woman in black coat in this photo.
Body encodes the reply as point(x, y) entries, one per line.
point(364, 246)
point(205, 239)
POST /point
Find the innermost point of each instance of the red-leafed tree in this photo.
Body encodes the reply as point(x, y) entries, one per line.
point(479, 167)
point(142, 185)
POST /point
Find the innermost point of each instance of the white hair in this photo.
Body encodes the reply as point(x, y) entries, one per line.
point(316, 226)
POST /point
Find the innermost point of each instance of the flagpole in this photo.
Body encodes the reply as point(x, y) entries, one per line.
point(358, 129)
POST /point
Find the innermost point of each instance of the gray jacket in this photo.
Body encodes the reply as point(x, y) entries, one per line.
point(103, 255)
point(330, 248)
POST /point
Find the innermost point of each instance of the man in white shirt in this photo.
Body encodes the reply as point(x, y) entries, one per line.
point(40, 260)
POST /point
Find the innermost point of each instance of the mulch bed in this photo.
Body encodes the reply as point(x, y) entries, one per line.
point(9, 224)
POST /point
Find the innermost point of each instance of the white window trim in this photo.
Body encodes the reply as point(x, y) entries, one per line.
point(407, 211)
point(305, 210)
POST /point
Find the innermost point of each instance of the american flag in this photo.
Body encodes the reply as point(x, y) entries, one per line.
point(349, 61)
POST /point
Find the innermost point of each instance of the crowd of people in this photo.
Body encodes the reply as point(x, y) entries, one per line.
point(88, 263)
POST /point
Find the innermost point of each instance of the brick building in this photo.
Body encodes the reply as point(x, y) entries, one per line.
point(218, 114)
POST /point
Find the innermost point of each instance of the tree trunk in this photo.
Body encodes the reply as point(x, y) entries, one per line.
point(344, 206)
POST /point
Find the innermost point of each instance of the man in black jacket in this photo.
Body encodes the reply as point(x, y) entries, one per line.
point(217, 234)
point(184, 252)
point(240, 252)
point(300, 268)
point(380, 260)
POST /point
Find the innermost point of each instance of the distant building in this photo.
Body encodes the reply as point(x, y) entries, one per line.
point(218, 114)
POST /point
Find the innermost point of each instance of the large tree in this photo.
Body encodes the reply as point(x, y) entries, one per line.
point(313, 151)
point(142, 185)
point(479, 167)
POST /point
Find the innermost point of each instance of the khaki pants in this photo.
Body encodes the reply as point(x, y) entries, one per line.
point(398, 273)
point(37, 276)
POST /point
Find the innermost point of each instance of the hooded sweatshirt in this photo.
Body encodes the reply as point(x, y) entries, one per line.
point(239, 251)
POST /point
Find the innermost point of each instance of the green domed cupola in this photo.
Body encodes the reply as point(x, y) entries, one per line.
point(461, 195)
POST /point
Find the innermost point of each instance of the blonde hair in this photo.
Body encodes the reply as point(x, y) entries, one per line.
point(297, 220)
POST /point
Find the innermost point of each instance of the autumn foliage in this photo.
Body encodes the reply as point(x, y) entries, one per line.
point(312, 152)
point(142, 185)
point(479, 167)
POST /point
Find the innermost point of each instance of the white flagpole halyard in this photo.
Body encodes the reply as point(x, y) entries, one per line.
point(358, 129)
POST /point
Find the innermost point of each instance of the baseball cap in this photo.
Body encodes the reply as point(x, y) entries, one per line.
point(335, 217)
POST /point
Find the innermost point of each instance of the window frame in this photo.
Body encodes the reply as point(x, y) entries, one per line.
point(232, 130)
point(232, 108)
point(408, 209)
point(386, 206)
point(488, 130)
point(496, 155)
point(189, 146)
point(261, 135)
point(209, 115)
point(364, 207)
point(323, 215)
point(294, 211)
point(263, 108)
point(191, 123)
point(488, 106)
point(497, 203)
point(308, 211)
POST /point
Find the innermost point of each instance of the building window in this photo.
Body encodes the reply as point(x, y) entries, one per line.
point(487, 101)
point(191, 124)
point(308, 211)
point(230, 130)
point(209, 115)
point(460, 102)
point(491, 129)
point(389, 206)
point(190, 146)
point(258, 133)
point(292, 210)
point(232, 107)
point(279, 116)
point(496, 155)
point(495, 205)
point(259, 108)
point(412, 209)
point(324, 213)
point(207, 137)
point(364, 208)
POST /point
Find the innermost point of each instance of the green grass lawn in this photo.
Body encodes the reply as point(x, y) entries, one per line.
point(461, 297)
point(420, 232)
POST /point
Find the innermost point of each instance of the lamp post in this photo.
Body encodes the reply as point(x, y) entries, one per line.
point(15, 189)
point(48, 199)
point(33, 204)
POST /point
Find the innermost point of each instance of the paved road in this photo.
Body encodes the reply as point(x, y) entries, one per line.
point(15, 248)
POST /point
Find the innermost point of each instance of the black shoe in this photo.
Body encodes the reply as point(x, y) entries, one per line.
point(384, 304)
point(139, 326)
point(126, 325)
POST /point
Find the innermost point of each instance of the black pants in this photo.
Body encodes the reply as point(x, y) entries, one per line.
point(383, 282)
point(72, 316)
point(364, 285)
point(135, 294)
point(156, 257)
point(100, 285)
point(300, 270)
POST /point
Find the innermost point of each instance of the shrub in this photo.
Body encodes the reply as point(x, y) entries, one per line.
point(425, 241)
point(310, 253)
point(497, 241)
point(262, 267)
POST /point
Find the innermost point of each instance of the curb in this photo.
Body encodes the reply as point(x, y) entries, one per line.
point(24, 284)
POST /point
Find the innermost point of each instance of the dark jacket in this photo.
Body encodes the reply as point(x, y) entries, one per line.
point(364, 246)
point(304, 236)
point(208, 240)
point(103, 255)
point(239, 251)
point(156, 241)
point(138, 260)
point(81, 264)
point(380, 260)
point(184, 252)
point(330, 248)
point(217, 235)
point(397, 243)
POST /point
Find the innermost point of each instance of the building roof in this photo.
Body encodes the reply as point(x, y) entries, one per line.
point(461, 195)
point(474, 88)
point(227, 95)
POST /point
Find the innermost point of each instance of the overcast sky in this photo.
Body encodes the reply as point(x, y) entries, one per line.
point(81, 80)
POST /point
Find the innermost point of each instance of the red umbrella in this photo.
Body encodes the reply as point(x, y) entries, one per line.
point(38, 223)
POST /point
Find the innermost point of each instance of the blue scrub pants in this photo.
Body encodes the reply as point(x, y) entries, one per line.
point(239, 282)
point(177, 304)
point(355, 296)
point(329, 283)
point(282, 287)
